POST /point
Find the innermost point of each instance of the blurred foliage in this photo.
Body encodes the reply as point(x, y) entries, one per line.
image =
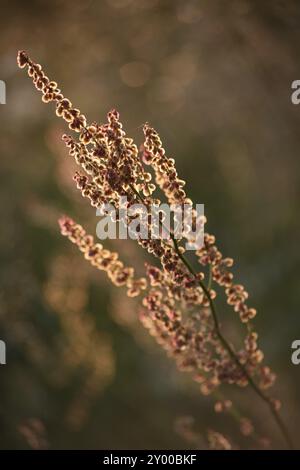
point(214, 78)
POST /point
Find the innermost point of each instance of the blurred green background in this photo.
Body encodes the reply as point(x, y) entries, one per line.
point(214, 78)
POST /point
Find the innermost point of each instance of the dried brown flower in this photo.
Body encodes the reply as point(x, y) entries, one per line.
point(101, 258)
point(178, 306)
point(217, 441)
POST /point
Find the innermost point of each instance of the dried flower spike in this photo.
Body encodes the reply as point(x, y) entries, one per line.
point(101, 258)
point(178, 307)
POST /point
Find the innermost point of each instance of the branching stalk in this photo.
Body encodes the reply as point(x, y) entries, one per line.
point(257, 390)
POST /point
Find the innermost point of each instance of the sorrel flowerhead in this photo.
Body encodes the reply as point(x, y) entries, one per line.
point(178, 305)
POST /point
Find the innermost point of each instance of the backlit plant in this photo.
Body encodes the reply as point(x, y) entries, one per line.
point(178, 302)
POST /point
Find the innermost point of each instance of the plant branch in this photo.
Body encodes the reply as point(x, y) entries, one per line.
point(223, 340)
point(231, 352)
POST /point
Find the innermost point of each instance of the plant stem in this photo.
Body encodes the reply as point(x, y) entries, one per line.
point(209, 277)
point(222, 339)
point(231, 352)
point(284, 431)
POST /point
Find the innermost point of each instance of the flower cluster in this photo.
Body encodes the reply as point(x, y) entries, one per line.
point(236, 294)
point(164, 167)
point(101, 258)
point(178, 306)
point(51, 92)
point(191, 339)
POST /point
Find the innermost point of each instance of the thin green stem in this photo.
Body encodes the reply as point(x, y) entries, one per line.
point(209, 278)
point(231, 352)
point(222, 339)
